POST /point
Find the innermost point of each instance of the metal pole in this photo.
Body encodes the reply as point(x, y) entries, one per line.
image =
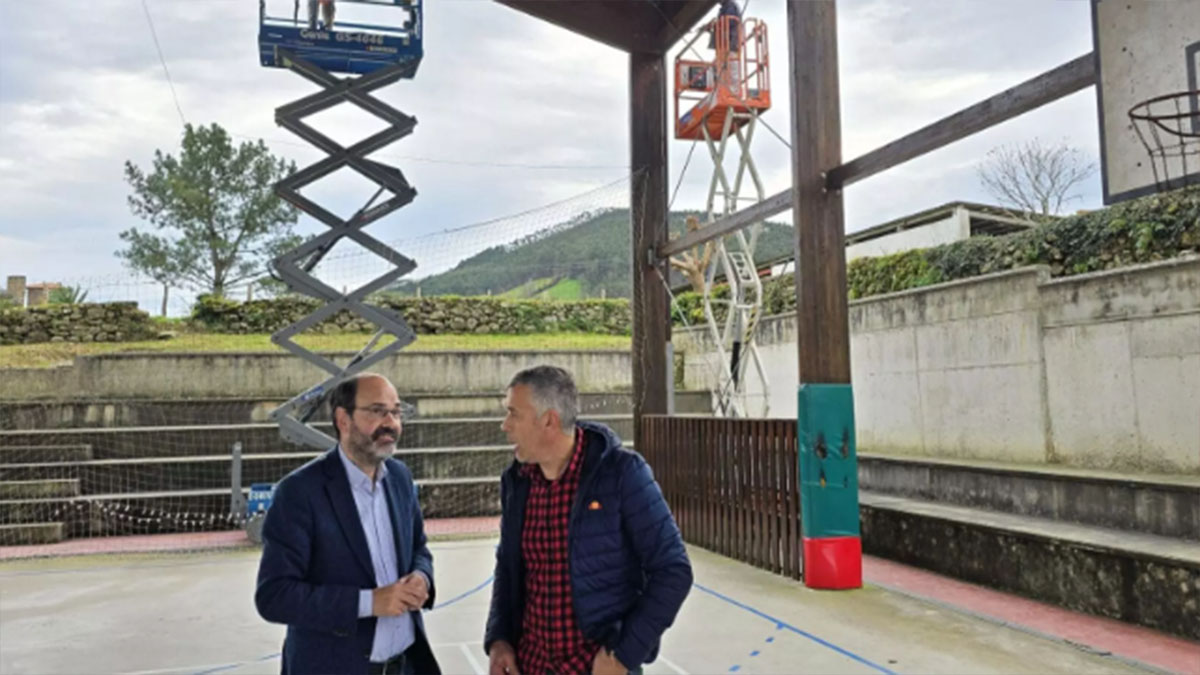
point(237, 504)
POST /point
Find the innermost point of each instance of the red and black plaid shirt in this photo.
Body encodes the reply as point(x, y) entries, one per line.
point(551, 641)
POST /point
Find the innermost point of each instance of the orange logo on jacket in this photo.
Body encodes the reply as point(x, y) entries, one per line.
point(594, 506)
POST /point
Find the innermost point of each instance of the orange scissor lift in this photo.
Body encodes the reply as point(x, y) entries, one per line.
point(716, 101)
point(735, 86)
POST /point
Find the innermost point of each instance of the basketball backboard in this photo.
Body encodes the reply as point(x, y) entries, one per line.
point(1146, 49)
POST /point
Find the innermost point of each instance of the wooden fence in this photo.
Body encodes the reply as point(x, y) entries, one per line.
point(732, 484)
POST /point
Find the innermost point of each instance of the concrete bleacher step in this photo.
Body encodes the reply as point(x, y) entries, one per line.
point(31, 534)
point(152, 512)
point(1139, 578)
point(33, 454)
point(215, 471)
point(113, 413)
point(218, 439)
point(1164, 505)
point(45, 488)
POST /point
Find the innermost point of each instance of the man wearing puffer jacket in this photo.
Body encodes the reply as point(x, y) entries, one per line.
point(591, 568)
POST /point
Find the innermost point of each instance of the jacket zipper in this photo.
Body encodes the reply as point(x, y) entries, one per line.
point(571, 530)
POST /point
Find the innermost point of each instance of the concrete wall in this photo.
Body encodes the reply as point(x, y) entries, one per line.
point(1100, 370)
point(1123, 366)
point(248, 375)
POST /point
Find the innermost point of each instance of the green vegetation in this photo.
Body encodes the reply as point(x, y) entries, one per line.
point(1143, 230)
point(593, 251)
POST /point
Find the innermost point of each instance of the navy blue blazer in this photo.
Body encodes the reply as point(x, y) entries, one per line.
point(315, 561)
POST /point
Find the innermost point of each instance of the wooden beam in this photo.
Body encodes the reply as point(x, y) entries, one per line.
point(629, 25)
point(1034, 93)
point(681, 17)
point(777, 203)
point(648, 216)
point(822, 318)
point(1045, 88)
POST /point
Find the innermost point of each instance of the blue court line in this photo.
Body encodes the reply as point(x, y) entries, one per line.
point(460, 596)
point(785, 625)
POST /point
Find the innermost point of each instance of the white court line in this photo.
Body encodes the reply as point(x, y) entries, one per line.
point(672, 665)
point(443, 645)
point(471, 659)
point(202, 668)
point(190, 669)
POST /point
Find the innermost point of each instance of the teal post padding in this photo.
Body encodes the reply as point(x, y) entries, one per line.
point(828, 462)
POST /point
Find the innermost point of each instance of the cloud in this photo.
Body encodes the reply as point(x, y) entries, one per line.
point(81, 92)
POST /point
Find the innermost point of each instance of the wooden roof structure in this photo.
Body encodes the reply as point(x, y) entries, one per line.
point(648, 26)
point(647, 29)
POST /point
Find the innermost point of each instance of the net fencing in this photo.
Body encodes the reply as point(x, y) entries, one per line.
point(147, 442)
point(173, 439)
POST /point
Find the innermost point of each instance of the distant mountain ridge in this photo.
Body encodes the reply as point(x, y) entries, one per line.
point(586, 257)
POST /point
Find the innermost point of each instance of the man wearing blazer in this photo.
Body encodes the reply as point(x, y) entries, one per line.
point(344, 561)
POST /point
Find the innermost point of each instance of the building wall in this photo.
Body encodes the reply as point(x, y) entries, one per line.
point(954, 227)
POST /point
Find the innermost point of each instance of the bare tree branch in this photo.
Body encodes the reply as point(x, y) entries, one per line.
point(1034, 179)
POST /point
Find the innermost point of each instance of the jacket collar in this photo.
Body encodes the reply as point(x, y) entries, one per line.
point(598, 443)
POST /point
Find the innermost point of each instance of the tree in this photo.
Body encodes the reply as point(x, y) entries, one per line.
point(693, 263)
point(67, 295)
point(217, 219)
point(1033, 178)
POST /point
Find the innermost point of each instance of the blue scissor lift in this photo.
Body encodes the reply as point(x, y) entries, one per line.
point(345, 47)
point(368, 57)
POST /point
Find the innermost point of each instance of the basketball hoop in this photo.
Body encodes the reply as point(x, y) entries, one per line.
point(1169, 128)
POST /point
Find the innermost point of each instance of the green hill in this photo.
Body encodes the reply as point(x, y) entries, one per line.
point(583, 258)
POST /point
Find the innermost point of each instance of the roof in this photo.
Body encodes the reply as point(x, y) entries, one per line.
point(650, 26)
point(985, 219)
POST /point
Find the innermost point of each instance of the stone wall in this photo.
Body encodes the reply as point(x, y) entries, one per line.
point(109, 322)
point(426, 316)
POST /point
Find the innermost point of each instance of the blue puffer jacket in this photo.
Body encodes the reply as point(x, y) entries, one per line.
point(629, 569)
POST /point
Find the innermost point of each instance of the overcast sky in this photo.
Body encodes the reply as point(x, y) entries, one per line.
point(83, 91)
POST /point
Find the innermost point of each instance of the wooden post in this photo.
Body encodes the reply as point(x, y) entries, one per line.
point(825, 410)
point(821, 313)
point(648, 211)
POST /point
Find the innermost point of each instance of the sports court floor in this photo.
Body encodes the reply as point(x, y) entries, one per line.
point(194, 613)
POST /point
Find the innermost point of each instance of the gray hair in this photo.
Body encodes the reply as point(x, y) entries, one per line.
point(552, 388)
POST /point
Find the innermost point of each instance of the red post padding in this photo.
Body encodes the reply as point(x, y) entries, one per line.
point(833, 563)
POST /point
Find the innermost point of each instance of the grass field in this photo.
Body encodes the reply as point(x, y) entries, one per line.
point(546, 289)
point(49, 354)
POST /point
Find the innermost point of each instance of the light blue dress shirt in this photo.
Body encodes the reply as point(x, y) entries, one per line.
point(393, 634)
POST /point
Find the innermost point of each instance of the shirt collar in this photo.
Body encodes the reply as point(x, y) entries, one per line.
point(356, 476)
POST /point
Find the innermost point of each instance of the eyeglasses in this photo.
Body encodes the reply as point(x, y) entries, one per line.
point(378, 412)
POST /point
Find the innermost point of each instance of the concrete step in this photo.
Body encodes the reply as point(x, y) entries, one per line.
point(34, 454)
point(31, 533)
point(214, 471)
point(209, 509)
point(112, 413)
point(218, 439)
point(43, 488)
point(1164, 505)
point(1138, 578)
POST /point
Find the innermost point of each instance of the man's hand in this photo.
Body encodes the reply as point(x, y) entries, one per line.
point(606, 663)
point(502, 659)
point(420, 585)
point(406, 595)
